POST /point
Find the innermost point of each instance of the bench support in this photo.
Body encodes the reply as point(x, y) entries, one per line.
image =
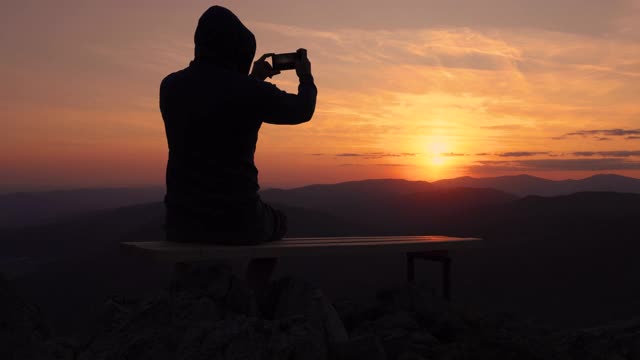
point(259, 271)
point(441, 256)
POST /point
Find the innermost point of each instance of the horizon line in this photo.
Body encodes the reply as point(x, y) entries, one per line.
point(43, 189)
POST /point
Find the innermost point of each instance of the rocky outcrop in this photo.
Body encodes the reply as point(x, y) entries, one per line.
point(23, 332)
point(413, 323)
point(615, 341)
point(208, 313)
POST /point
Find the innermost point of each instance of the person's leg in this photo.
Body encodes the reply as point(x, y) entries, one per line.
point(186, 228)
point(282, 227)
point(249, 225)
point(276, 222)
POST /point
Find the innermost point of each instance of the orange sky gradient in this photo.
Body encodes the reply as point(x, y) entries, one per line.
point(407, 89)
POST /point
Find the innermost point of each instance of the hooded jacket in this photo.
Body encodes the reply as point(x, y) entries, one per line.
point(212, 111)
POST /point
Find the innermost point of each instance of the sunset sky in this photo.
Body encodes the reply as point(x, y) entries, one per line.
point(413, 89)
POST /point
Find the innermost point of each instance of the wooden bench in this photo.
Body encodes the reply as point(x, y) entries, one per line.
point(264, 256)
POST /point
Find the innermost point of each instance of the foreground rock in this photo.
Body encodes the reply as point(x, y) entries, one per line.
point(23, 332)
point(211, 314)
point(208, 313)
point(616, 341)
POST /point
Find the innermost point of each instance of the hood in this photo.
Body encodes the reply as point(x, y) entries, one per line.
point(221, 38)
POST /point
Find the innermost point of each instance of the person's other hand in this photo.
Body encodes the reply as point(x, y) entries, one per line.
point(303, 65)
point(262, 69)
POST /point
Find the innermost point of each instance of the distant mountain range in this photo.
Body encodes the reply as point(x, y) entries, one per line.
point(519, 185)
point(557, 257)
point(388, 206)
point(32, 208)
point(523, 185)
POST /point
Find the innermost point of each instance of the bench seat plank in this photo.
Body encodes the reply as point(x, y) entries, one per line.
point(312, 246)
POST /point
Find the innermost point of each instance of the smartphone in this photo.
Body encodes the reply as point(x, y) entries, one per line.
point(285, 61)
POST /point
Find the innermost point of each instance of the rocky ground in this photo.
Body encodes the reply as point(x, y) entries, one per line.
point(208, 313)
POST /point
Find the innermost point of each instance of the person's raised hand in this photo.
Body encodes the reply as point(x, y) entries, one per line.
point(303, 65)
point(262, 69)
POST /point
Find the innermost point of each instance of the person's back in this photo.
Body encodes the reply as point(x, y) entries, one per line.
point(213, 111)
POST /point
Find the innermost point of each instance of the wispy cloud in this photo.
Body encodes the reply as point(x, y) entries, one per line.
point(459, 48)
point(375, 165)
point(375, 155)
point(452, 154)
point(522, 153)
point(601, 134)
point(607, 132)
point(502, 127)
point(517, 154)
point(620, 153)
point(591, 17)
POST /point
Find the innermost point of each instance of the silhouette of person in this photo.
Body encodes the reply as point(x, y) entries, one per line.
point(212, 111)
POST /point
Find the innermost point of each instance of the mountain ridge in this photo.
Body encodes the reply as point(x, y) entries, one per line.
point(524, 184)
point(32, 208)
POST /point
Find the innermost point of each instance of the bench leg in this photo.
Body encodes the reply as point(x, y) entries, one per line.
point(437, 256)
point(446, 278)
point(259, 271)
point(411, 270)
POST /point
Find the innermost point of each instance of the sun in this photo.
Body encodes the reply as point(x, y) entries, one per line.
point(436, 150)
point(437, 160)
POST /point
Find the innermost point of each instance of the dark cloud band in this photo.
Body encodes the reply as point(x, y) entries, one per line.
point(375, 155)
point(622, 153)
point(557, 165)
point(603, 134)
